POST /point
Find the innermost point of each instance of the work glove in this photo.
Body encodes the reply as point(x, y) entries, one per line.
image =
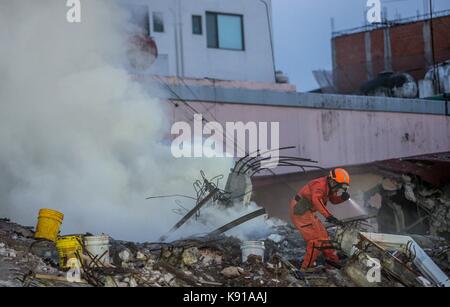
point(345, 196)
point(334, 221)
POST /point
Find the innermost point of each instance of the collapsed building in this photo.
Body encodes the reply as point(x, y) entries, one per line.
point(416, 256)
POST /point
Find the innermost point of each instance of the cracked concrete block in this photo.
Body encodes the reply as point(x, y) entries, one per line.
point(140, 256)
point(231, 272)
point(359, 272)
point(125, 255)
point(7, 252)
point(389, 184)
point(190, 256)
point(168, 278)
point(276, 238)
point(110, 282)
point(209, 257)
point(409, 193)
point(132, 283)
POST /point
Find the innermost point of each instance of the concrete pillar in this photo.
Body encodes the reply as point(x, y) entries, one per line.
point(387, 50)
point(368, 48)
point(428, 48)
point(335, 66)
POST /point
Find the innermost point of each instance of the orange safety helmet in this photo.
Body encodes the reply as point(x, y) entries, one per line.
point(340, 176)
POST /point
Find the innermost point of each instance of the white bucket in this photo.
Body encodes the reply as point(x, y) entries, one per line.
point(252, 248)
point(98, 246)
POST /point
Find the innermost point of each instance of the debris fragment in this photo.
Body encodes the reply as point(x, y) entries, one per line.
point(190, 256)
point(276, 238)
point(232, 271)
point(409, 193)
point(390, 184)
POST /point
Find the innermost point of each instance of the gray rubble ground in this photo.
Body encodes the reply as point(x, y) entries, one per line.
point(202, 262)
point(21, 256)
point(193, 262)
point(217, 262)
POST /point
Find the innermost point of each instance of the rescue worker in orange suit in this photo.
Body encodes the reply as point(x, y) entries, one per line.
point(313, 198)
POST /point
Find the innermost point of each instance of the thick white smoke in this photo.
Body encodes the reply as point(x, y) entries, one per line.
point(76, 133)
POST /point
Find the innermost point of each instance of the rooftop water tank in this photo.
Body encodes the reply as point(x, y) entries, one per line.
point(443, 73)
point(390, 84)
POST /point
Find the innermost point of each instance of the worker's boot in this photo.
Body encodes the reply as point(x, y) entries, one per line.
point(333, 264)
point(313, 269)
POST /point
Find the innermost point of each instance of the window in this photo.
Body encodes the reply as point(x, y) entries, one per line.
point(197, 25)
point(158, 22)
point(225, 31)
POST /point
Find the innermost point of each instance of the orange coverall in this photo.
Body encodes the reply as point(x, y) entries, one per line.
point(310, 227)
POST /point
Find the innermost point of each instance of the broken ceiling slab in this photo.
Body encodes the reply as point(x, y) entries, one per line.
point(432, 168)
point(423, 262)
point(400, 258)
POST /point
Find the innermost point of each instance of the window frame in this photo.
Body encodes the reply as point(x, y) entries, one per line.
point(201, 24)
point(216, 14)
point(161, 14)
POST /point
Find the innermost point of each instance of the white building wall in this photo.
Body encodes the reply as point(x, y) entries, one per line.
point(187, 55)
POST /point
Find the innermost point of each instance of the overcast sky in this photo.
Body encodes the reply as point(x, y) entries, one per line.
point(302, 31)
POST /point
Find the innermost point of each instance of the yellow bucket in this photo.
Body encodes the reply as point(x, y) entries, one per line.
point(48, 225)
point(68, 247)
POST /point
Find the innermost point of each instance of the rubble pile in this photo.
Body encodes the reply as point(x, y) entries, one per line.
point(213, 262)
point(433, 201)
point(204, 262)
point(22, 257)
point(216, 260)
point(416, 206)
point(286, 241)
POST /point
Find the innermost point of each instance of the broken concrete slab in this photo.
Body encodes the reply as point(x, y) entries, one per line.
point(390, 184)
point(421, 260)
point(232, 271)
point(125, 255)
point(190, 256)
point(409, 192)
point(276, 238)
point(367, 250)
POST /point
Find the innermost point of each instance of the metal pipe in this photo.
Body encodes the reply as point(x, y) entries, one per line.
point(175, 28)
point(259, 154)
point(280, 159)
point(237, 222)
point(200, 204)
point(271, 38)
point(433, 53)
point(180, 25)
point(285, 164)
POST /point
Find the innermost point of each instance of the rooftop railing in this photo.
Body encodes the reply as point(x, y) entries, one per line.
point(390, 23)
